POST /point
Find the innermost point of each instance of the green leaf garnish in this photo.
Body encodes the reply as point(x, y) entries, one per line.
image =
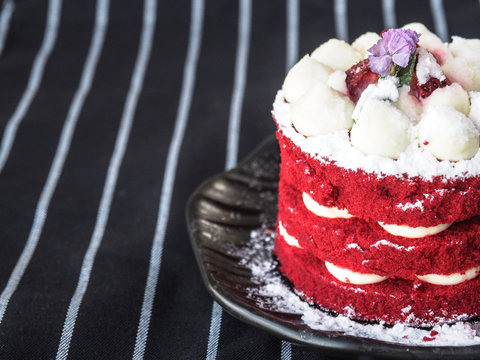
point(405, 74)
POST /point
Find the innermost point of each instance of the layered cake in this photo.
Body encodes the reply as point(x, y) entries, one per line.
point(379, 193)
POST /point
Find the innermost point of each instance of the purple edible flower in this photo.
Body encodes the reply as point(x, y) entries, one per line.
point(395, 45)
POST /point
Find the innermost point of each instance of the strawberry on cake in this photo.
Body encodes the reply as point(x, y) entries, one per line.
point(379, 193)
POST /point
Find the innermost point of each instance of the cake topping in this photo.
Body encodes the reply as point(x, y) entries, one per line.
point(428, 67)
point(381, 129)
point(337, 54)
point(358, 78)
point(365, 41)
point(448, 134)
point(385, 89)
point(409, 104)
point(474, 114)
point(337, 82)
point(387, 100)
point(393, 51)
point(337, 147)
point(431, 42)
point(322, 110)
point(301, 77)
point(423, 91)
point(467, 49)
point(462, 63)
point(453, 96)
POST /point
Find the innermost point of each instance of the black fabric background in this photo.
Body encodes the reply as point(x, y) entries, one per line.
point(108, 318)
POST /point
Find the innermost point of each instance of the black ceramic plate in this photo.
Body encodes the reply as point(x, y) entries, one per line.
point(222, 213)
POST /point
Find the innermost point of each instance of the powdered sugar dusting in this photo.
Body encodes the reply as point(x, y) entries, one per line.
point(390, 244)
point(336, 147)
point(428, 67)
point(274, 294)
point(385, 89)
point(354, 246)
point(417, 205)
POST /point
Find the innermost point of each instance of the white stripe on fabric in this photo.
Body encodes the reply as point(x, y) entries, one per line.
point(60, 155)
point(439, 19)
point(239, 82)
point(214, 333)
point(240, 79)
point(40, 213)
point(341, 21)
point(188, 82)
point(5, 16)
point(136, 84)
point(286, 353)
point(36, 75)
point(293, 19)
point(389, 17)
point(59, 159)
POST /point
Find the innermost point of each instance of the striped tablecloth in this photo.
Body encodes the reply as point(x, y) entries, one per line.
point(111, 114)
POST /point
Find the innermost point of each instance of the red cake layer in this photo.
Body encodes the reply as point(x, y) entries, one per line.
point(393, 300)
point(455, 249)
point(374, 198)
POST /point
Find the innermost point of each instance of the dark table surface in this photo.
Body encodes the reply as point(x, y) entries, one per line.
point(111, 114)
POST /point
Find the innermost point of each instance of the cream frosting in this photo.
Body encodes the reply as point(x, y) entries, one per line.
point(451, 279)
point(352, 277)
point(289, 239)
point(331, 212)
point(413, 232)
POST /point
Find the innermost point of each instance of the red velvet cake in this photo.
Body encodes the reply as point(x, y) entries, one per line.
point(379, 193)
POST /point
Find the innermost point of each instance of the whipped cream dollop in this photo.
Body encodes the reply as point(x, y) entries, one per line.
point(337, 54)
point(321, 110)
point(474, 113)
point(451, 96)
point(302, 76)
point(445, 139)
point(385, 89)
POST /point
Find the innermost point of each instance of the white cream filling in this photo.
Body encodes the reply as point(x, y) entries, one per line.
point(352, 277)
point(452, 279)
point(289, 239)
point(324, 211)
point(413, 232)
